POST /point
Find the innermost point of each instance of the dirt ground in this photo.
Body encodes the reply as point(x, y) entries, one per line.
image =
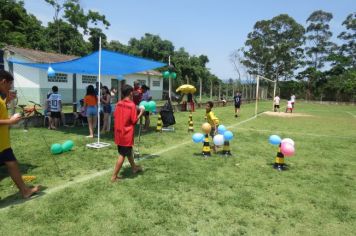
point(283, 114)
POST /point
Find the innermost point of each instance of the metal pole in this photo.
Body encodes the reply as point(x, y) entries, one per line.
point(257, 87)
point(169, 80)
point(99, 76)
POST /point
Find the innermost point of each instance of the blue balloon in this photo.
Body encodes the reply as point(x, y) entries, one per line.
point(221, 129)
point(51, 72)
point(275, 139)
point(228, 135)
point(198, 137)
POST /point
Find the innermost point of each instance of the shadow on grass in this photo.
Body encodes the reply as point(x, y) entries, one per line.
point(24, 169)
point(16, 199)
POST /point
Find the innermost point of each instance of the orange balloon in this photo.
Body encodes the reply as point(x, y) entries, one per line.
point(206, 127)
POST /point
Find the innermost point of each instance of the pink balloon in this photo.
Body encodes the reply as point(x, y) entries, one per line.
point(287, 149)
point(287, 140)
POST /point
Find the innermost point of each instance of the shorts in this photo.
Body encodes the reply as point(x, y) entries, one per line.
point(6, 156)
point(146, 113)
point(237, 105)
point(276, 106)
point(92, 111)
point(212, 132)
point(124, 151)
point(56, 114)
point(107, 108)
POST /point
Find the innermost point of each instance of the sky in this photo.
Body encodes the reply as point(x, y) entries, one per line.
point(214, 28)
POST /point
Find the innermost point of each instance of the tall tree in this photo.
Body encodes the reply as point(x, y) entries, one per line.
point(318, 36)
point(273, 48)
point(348, 48)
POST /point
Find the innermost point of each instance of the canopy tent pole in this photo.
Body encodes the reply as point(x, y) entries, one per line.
point(98, 144)
point(169, 80)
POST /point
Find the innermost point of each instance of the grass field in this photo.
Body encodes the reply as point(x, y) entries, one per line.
point(181, 193)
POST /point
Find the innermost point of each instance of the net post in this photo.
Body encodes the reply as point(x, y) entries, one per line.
point(257, 87)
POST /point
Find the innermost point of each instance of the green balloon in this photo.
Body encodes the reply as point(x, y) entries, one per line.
point(56, 148)
point(173, 75)
point(67, 145)
point(145, 104)
point(166, 74)
point(151, 106)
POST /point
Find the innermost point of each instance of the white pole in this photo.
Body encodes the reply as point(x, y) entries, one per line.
point(169, 80)
point(257, 87)
point(99, 92)
point(274, 93)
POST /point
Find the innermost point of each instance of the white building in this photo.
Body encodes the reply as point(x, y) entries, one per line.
point(33, 84)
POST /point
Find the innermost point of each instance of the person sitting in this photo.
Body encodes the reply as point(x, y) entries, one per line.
point(80, 116)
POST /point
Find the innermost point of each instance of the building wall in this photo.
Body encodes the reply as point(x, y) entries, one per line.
point(32, 84)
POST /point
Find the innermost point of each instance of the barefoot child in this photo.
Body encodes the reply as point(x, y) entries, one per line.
point(124, 128)
point(7, 156)
point(289, 107)
point(212, 120)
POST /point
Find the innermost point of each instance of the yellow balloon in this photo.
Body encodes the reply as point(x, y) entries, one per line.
point(206, 127)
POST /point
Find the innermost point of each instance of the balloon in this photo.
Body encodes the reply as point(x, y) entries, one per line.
point(221, 129)
point(274, 139)
point(144, 104)
point(228, 135)
point(151, 106)
point(51, 72)
point(56, 148)
point(287, 149)
point(173, 75)
point(206, 127)
point(165, 74)
point(141, 107)
point(198, 138)
point(288, 140)
point(67, 145)
point(218, 139)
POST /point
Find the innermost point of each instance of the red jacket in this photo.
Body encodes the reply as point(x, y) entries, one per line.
point(125, 119)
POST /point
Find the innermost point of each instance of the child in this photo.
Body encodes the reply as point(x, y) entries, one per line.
point(55, 102)
point(7, 156)
point(91, 106)
point(237, 100)
point(289, 107)
point(212, 120)
point(80, 115)
point(276, 103)
point(124, 128)
point(146, 96)
point(105, 100)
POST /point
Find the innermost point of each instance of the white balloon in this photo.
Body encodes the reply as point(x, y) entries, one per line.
point(218, 139)
point(288, 140)
point(142, 107)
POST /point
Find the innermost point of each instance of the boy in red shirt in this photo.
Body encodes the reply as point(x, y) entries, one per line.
point(124, 129)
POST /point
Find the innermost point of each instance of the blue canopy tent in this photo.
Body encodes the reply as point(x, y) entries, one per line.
point(102, 62)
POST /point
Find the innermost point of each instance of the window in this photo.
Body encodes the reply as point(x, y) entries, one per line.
point(58, 78)
point(89, 79)
point(156, 83)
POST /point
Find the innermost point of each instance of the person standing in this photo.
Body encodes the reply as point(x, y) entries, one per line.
point(276, 101)
point(137, 93)
point(126, 117)
point(105, 100)
point(292, 99)
point(237, 101)
point(146, 96)
point(55, 101)
point(7, 156)
point(91, 106)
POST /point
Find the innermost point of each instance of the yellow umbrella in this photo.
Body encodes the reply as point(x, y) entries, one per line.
point(186, 88)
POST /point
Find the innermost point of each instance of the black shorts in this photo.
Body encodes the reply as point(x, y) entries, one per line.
point(146, 113)
point(107, 108)
point(212, 132)
point(6, 156)
point(276, 106)
point(55, 114)
point(124, 151)
point(237, 105)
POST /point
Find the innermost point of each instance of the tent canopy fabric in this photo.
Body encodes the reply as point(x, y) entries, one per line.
point(112, 63)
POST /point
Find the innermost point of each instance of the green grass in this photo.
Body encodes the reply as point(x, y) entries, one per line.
point(181, 193)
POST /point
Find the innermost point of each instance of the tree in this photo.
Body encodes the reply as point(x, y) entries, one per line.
point(348, 48)
point(273, 48)
point(318, 36)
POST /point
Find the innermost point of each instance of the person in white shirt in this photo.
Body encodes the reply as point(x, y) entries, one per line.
point(289, 107)
point(276, 103)
point(292, 99)
point(55, 102)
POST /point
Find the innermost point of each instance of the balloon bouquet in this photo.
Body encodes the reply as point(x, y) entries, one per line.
point(222, 138)
point(285, 149)
point(57, 148)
